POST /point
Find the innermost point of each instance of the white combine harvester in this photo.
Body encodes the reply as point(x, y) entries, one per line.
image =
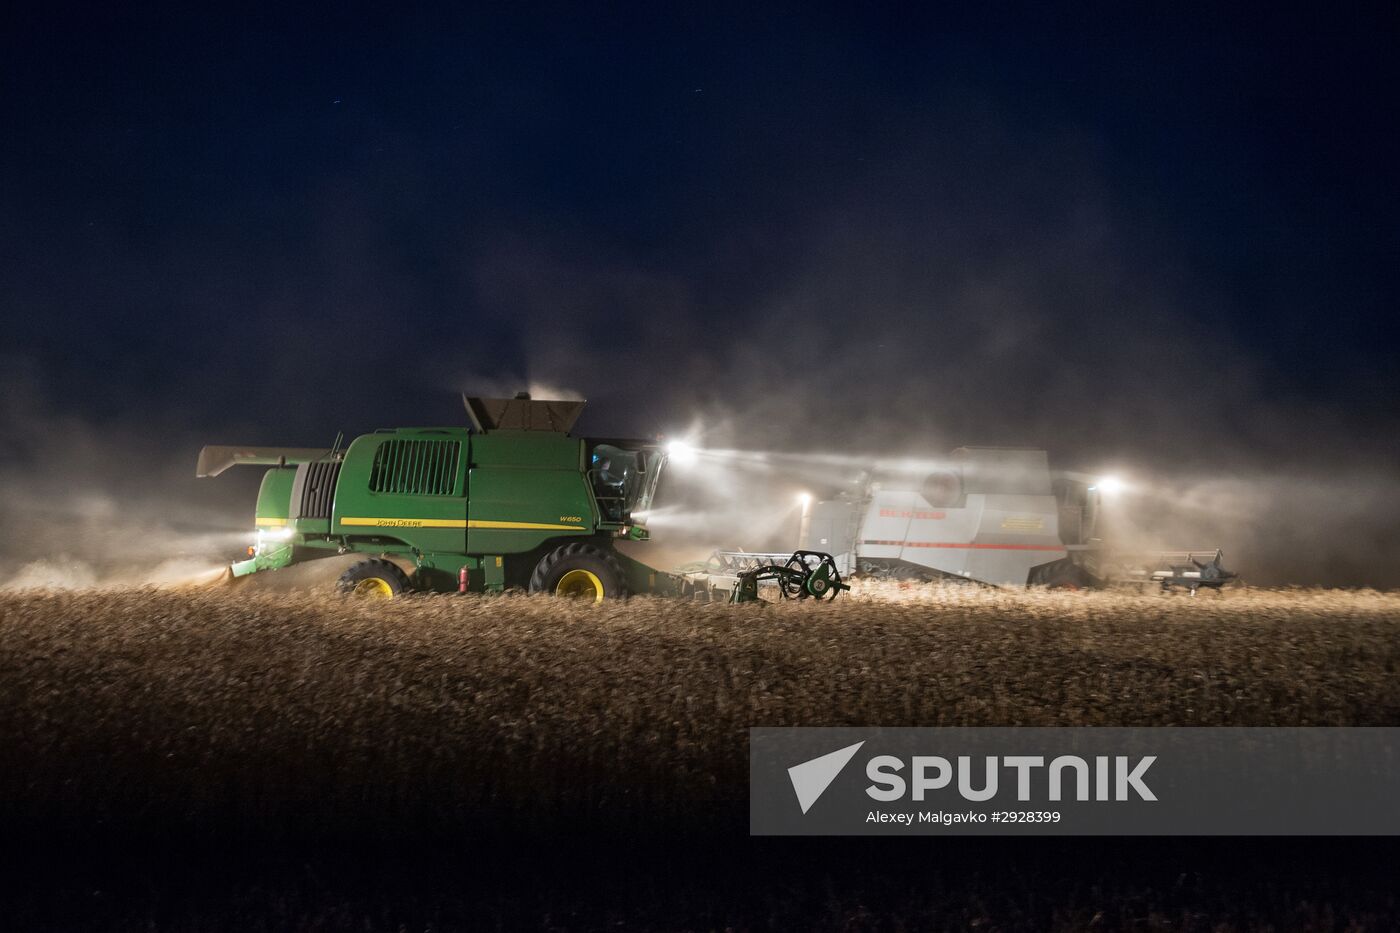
point(992, 515)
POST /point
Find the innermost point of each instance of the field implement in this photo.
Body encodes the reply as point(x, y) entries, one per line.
point(512, 501)
point(1187, 570)
point(806, 574)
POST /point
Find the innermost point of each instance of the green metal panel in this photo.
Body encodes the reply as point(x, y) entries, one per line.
point(529, 449)
point(493, 567)
point(526, 488)
point(407, 485)
point(274, 498)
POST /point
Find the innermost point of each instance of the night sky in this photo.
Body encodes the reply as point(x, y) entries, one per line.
point(1153, 242)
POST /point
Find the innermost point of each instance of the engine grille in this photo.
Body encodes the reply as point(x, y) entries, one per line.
point(318, 489)
point(416, 467)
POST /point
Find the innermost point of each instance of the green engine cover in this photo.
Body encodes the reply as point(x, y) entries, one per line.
point(445, 490)
point(274, 498)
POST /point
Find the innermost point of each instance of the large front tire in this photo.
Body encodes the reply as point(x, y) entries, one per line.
point(580, 571)
point(374, 579)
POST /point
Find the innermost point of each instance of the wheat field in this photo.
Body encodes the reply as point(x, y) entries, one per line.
point(249, 760)
point(307, 711)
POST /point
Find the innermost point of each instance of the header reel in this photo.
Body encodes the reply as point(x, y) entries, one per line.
point(805, 575)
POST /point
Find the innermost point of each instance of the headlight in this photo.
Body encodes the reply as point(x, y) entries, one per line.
point(681, 453)
point(1109, 485)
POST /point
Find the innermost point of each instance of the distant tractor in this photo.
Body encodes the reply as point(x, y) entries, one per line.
point(513, 501)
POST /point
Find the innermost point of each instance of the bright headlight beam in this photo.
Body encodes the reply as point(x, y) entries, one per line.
point(1110, 485)
point(681, 453)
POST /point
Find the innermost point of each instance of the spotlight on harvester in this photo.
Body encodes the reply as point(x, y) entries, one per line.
point(680, 453)
point(1109, 485)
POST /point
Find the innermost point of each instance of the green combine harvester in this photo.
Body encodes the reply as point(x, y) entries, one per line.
point(512, 501)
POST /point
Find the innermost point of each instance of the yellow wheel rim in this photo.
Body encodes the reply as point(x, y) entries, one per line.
point(375, 588)
point(580, 584)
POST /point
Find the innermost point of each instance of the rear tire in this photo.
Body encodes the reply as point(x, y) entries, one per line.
point(583, 571)
point(374, 579)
